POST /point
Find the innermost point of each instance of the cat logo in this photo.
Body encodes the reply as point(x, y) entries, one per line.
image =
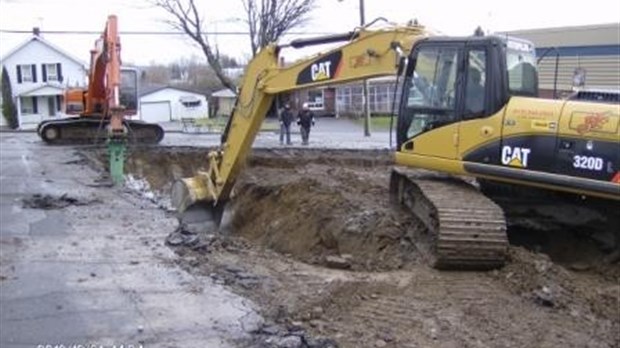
point(323, 69)
point(515, 156)
point(320, 71)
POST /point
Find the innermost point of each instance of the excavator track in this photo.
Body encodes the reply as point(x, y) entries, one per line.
point(89, 130)
point(467, 229)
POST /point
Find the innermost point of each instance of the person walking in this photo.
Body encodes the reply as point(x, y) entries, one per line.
point(305, 120)
point(286, 118)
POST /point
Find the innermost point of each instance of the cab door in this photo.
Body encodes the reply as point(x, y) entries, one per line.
point(480, 111)
point(428, 117)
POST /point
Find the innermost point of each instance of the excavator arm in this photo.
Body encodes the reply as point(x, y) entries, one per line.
point(103, 94)
point(366, 54)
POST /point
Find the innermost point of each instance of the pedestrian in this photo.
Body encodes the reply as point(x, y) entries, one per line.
point(286, 118)
point(305, 120)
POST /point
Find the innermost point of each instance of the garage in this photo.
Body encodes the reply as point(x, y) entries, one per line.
point(155, 112)
point(160, 103)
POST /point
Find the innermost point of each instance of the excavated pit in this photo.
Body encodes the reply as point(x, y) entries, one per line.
point(324, 205)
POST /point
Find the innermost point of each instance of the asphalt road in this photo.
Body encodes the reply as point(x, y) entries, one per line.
point(97, 273)
point(327, 133)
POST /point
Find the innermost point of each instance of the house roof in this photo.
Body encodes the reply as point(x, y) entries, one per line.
point(150, 89)
point(46, 43)
point(224, 93)
point(607, 34)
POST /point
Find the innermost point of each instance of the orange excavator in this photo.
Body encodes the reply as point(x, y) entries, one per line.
point(101, 109)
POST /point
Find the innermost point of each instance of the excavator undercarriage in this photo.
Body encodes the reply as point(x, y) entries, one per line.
point(95, 130)
point(467, 230)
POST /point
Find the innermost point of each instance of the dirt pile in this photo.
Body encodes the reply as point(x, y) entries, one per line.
point(320, 222)
point(537, 278)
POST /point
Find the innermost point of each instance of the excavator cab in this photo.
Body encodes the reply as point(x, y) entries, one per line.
point(129, 91)
point(470, 106)
point(449, 80)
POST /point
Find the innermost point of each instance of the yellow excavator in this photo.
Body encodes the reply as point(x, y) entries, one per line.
point(468, 107)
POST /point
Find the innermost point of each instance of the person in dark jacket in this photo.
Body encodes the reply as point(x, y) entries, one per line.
point(305, 120)
point(286, 118)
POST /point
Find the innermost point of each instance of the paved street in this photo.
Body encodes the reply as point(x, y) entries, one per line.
point(97, 271)
point(327, 133)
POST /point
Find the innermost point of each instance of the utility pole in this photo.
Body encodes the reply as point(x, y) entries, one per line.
point(365, 98)
point(365, 101)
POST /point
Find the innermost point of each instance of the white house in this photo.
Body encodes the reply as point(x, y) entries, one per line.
point(39, 73)
point(166, 103)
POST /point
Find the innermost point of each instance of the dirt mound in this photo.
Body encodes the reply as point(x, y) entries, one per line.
point(536, 277)
point(316, 220)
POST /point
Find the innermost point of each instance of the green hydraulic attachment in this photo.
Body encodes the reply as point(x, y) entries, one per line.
point(116, 152)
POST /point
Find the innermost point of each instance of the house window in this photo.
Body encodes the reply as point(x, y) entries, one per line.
point(190, 101)
point(26, 73)
point(50, 72)
point(28, 105)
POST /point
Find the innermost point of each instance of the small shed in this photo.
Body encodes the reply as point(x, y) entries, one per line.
point(224, 101)
point(167, 103)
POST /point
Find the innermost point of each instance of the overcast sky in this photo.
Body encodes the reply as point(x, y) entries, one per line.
point(332, 16)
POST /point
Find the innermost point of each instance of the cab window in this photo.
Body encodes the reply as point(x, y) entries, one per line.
point(522, 72)
point(431, 94)
point(476, 84)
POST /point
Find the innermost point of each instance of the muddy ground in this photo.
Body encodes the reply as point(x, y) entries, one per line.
point(315, 242)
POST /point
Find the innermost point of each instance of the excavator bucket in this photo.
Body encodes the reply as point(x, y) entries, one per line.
point(194, 204)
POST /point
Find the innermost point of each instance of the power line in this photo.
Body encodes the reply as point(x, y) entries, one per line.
point(155, 33)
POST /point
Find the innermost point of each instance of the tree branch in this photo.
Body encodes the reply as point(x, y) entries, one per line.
point(186, 17)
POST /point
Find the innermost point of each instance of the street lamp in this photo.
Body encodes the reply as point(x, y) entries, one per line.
point(365, 98)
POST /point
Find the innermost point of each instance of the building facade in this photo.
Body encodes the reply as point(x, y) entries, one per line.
point(588, 57)
point(39, 73)
point(381, 95)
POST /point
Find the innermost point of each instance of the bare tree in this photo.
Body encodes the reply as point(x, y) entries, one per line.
point(268, 20)
point(188, 19)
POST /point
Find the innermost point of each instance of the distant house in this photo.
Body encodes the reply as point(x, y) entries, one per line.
point(224, 101)
point(39, 73)
point(382, 92)
point(163, 103)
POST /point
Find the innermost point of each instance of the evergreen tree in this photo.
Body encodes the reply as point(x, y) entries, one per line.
point(9, 111)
